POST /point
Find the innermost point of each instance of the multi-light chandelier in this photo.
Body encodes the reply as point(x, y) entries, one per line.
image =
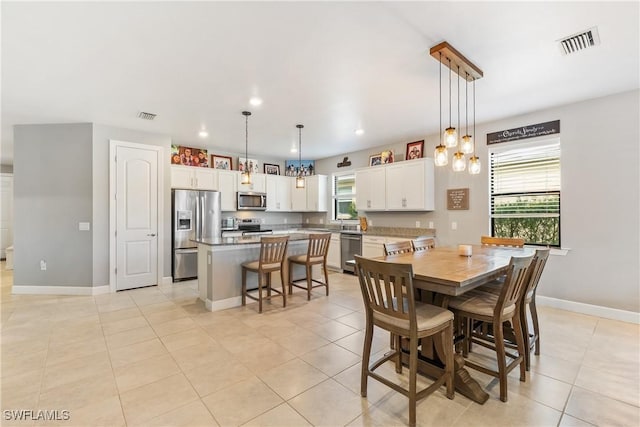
point(452, 59)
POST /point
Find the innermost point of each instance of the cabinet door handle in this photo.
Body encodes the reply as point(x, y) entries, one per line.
point(152, 235)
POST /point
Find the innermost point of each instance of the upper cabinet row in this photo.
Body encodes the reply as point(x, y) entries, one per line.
point(282, 196)
point(403, 186)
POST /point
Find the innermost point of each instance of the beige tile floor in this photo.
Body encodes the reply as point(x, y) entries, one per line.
point(156, 357)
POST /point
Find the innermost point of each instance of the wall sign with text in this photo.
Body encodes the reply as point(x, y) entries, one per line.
point(458, 199)
point(529, 131)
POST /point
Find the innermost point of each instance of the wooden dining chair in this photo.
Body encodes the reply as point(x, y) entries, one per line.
point(316, 255)
point(423, 244)
point(388, 294)
point(273, 251)
point(496, 309)
point(402, 247)
point(528, 300)
point(513, 242)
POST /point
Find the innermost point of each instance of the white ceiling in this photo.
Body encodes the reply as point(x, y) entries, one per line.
point(332, 66)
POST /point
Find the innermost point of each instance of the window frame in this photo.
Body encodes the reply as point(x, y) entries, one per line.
point(335, 197)
point(515, 145)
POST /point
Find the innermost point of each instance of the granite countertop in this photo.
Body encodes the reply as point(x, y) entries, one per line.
point(246, 240)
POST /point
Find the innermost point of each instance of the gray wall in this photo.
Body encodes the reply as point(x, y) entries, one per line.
point(600, 201)
point(101, 136)
point(52, 193)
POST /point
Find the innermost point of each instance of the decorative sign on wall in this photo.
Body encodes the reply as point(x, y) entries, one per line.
point(530, 131)
point(345, 162)
point(188, 156)
point(458, 199)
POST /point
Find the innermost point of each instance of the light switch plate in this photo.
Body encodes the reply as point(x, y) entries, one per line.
point(454, 225)
point(84, 226)
point(430, 224)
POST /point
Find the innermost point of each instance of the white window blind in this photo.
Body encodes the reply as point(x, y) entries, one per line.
point(344, 194)
point(525, 193)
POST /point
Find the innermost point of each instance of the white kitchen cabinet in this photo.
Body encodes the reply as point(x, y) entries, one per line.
point(227, 188)
point(278, 193)
point(258, 183)
point(298, 197)
point(372, 246)
point(316, 186)
point(370, 189)
point(403, 186)
point(409, 186)
point(192, 178)
point(333, 256)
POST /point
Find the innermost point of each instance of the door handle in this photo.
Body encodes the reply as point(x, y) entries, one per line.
point(152, 235)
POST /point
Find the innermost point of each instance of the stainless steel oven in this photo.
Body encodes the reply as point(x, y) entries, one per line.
point(252, 201)
point(350, 245)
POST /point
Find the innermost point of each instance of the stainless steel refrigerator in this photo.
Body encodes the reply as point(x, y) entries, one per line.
point(195, 215)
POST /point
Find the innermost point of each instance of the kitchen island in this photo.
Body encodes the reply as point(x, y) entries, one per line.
point(220, 272)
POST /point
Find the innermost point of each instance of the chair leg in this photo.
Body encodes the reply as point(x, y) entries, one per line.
point(260, 292)
point(309, 281)
point(466, 345)
point(244, 286)
point(326, 277)
point(366, 354)
point(502, 364)
point(522, 315)
point(517, 326)
point(268, 280)
point(398, 346)
point(447, 344)
point(290, 281)
point(536, 327)
point(284, 289)
point(413, 368)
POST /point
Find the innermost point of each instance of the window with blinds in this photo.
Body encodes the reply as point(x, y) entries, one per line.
point(344, 197)
point(525, 194)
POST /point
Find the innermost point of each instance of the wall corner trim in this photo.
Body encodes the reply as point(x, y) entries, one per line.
point(592, 310)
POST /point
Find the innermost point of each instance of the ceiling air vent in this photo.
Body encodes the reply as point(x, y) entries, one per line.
point(146, 116)
point(580, 41)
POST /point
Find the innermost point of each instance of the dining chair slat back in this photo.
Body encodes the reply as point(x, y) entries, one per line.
point(396, 248)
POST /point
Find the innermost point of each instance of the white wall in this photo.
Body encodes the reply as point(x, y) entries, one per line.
point(599, 203)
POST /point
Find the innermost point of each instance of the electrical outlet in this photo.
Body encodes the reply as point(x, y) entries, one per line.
point(43, 265)
point(371, 223)
point(454, 225)
point(321, 220)
point(285, 220)
point(417, 224)
point(306, 221)
point(430, 224)
point(262, 220)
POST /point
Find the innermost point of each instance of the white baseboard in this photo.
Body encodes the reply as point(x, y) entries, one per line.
point(223, 304)
point(167, 280)
point(592, 310)
point(60, 290)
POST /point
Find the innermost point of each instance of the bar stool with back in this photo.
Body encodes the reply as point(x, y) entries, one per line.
point(273, 251)
point(388, 294)
point(316, 255)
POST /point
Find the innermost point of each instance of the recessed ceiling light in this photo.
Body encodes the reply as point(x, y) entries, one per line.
point(359, 132)
point(255, 101)
point(203, 133)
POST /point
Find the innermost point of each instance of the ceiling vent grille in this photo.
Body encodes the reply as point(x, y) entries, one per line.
point(146, 116)
point(580, 41)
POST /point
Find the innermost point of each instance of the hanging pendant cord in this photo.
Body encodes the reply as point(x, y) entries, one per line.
point(449, 92)
point(459, 130)
point(246, 143)
point(474, 117)
point(466, 103)
point(440, 87)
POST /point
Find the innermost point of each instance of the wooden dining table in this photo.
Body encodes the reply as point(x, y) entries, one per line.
point(443, 273)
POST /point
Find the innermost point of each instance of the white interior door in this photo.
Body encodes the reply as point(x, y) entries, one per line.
point(136, 217)
point(6, 213)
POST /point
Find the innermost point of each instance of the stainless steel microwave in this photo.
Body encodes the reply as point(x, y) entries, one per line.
point(252, 201)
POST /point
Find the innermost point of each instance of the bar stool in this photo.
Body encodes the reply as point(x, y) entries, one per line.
point(388, 294)
point(495, 310)
point(423, 244)
point(402, 247)
point(272, 255)
point(316, 255)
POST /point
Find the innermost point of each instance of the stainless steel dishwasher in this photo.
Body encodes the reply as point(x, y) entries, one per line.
point(350, 245)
